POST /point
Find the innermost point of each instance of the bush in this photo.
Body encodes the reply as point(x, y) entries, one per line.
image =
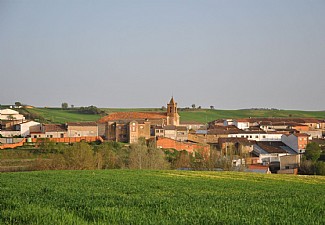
point(320, 168)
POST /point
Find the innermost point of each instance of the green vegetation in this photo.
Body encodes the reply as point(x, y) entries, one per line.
point(206, 115)
point(159, 197)
point(58, 115)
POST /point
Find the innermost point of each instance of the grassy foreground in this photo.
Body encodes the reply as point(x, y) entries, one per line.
point(57, 115)
point(160, 197)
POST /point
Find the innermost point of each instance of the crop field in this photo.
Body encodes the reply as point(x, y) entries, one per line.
point(57, 115)
point(160, 197)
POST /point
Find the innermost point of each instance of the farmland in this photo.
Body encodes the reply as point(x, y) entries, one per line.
point(160, 197)
point(57, 115)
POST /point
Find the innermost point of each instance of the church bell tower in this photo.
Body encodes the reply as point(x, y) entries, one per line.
point(172, 115)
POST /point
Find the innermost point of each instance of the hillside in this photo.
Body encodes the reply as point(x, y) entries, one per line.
point(159, 197)
point(58, 115)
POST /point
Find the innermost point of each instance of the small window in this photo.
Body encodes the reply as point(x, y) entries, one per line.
point(264, 136)
point(256, 136)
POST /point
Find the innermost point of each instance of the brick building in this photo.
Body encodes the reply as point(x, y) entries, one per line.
point(130, 126)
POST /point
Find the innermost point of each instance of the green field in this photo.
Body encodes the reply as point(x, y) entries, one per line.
point(160, 197)
point(57, 115)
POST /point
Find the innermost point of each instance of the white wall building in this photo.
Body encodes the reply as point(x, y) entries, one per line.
point(25, 127)
point(258, 136)
point(9, 114)
point(241, 124)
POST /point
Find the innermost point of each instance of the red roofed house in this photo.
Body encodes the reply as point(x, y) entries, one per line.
point(130, 126)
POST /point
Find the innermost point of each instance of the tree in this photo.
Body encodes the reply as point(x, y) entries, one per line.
point(193, 106)
point(313, 151)
point(138, 155)
point(64, 105)
point(211, 107)
point(18, 104)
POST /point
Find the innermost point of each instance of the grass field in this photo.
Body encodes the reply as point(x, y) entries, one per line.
point(57, 115)
point(160, 197)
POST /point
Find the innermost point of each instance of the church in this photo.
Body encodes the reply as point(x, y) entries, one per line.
point(130, 126)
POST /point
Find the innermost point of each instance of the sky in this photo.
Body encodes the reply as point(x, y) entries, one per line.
point(230, 54)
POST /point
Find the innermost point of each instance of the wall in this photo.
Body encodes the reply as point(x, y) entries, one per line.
point(26, 127)
point(19, 144)
point(82, 131)
point(68, 139)
point(289, 161)
point(9, 133)
point(179, 146)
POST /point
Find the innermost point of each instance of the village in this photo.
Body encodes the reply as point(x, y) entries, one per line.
point(261, 145)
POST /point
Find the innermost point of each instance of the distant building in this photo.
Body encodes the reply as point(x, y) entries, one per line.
point(298, 142)
point(130, 126)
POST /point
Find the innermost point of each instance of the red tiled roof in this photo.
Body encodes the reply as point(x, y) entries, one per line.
point(132, 116)
point(257, 167)
point(54, 128)
point(82, 124)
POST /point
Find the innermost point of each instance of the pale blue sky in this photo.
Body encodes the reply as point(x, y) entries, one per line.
point(130, 53)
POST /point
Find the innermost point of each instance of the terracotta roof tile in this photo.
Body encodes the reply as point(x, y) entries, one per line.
point(132, 116)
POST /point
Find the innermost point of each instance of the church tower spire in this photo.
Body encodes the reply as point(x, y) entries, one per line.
point(172, 115)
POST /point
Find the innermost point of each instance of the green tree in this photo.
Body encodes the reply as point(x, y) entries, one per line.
point(313, 151)
point(80, 156)
point(64, 105)
point(17, 104)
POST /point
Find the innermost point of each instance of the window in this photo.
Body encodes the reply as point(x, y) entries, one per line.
point(250, 136)
point(264, 136)
point(256, 136)
point(141, 127)
point(51, 136)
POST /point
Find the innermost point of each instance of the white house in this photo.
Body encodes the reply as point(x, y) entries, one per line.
point(9, 114)
point(241, 123)
point(257, 136)
point(26, 127)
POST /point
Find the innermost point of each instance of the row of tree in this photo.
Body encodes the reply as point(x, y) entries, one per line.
point(113, 155)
